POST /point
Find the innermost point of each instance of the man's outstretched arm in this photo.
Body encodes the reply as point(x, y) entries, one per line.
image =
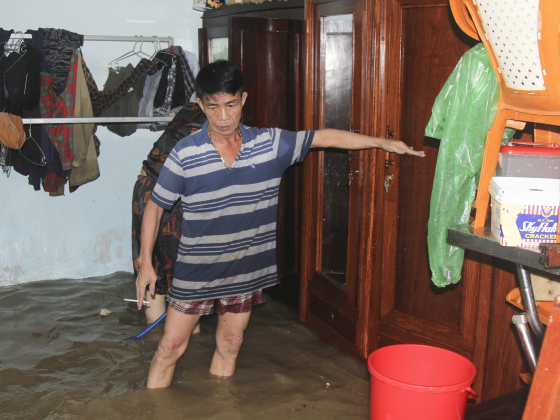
point(353, 141)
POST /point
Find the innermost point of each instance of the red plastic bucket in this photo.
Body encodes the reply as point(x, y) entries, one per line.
point(415, 382)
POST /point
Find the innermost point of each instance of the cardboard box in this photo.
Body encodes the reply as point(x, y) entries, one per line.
point(545, 286)
point(524, 210)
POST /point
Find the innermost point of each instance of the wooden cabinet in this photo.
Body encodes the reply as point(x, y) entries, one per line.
point(365, 273)
point(353, 224)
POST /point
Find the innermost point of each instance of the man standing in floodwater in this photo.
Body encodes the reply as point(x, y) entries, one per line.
point(227, 176)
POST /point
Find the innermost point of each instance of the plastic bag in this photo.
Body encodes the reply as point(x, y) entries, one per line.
point(462, 114)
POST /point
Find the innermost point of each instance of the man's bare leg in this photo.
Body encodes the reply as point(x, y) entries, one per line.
point(229, 336)
point(178, 330)
point(157, 307)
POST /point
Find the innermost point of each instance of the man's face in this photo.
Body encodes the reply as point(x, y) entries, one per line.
point(223, 111)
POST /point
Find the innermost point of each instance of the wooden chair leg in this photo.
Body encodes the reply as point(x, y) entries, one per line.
point(489, 163)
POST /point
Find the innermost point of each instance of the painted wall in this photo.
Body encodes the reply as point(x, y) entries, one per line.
point(85, 233)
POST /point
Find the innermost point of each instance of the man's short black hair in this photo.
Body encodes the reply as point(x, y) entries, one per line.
point(221, 76)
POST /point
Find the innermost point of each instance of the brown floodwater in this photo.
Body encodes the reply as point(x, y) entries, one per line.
point(59, 359)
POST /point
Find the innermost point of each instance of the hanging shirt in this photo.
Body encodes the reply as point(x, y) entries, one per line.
point(20, 81)
point(61, 106)
point(127, 105)
point(168, 101)
point(146, 105)
point(187, 72)
point(101, 100)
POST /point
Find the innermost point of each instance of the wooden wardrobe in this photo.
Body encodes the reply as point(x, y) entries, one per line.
point(352, 225)
point(365, 275)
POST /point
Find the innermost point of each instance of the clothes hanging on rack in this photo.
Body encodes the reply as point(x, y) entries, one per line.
point(30, 157)
point(127, 105)
point(168, 99)
point(61, 106)
point(59, 45)
point(53, 164)
point(5, 37)
point(85, 167)
point(20, 77)
point(23, 98)
point(146, 105)
point(101, 100)
point(83, 108)
point(45, 76)
point(11, 131)
point(167, 61)
point(186, 71)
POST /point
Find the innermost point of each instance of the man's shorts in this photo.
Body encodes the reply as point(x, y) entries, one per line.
point(233, 304)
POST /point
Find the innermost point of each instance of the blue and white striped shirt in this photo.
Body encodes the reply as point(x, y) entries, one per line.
point(228, 247)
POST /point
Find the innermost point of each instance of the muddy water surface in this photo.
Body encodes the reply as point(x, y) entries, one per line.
point(60, 360)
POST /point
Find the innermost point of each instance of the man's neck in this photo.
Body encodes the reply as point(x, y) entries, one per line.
point(231, 139)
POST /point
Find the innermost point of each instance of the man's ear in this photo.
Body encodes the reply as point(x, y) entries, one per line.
point(200, 104)
point(243, 99)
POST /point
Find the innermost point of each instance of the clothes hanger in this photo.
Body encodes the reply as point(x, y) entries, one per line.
point(127, 54)
point(141, 53)
point(21, 51)
point(13, 44)
point(158, 49)
point(9, 45)
point(43, 158)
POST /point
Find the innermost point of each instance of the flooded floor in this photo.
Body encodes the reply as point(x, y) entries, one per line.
point(60, 360)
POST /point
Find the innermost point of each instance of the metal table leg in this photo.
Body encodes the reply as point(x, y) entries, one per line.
point(526, 289)
point(520, 322)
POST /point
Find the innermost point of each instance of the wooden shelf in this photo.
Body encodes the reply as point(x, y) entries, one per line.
point(481, 240)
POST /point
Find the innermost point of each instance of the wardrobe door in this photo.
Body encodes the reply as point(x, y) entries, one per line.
point(334, 180)
point(268, 51)
point(423, 48)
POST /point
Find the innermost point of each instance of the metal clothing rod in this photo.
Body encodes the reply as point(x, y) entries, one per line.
point(103, 120)
point(95, 120)
point(19, 35)
point(139, 38)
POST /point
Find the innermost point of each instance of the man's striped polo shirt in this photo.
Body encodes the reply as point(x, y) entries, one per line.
point(228, 247)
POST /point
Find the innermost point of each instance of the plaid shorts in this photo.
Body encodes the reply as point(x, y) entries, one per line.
point(233, 304)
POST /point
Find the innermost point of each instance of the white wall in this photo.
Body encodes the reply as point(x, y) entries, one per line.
point(85, 233)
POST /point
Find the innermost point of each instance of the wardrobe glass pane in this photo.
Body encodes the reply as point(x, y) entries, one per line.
point(337, 110)
point(218, 49)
